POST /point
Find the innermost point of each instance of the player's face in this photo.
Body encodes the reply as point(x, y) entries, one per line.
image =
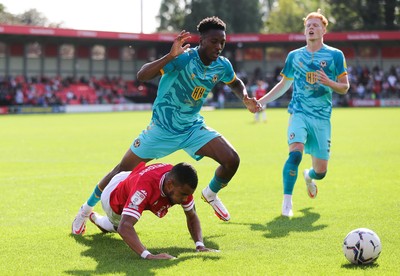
point(211, 45)
point(314, 29)
point(177, 194)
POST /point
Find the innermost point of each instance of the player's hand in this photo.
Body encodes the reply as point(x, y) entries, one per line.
point(161, 256)
point(252, 104)
point(323, 78)
point(177, 47)
point(205, 249)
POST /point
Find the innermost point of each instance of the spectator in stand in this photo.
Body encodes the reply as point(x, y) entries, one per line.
point(260, 91)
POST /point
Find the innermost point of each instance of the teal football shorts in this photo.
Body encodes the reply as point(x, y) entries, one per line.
point(314, 133)
point(156, 142)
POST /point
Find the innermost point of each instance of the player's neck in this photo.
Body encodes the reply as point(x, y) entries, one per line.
point(314, 45)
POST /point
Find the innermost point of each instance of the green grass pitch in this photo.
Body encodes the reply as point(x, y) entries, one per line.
point(49, 165)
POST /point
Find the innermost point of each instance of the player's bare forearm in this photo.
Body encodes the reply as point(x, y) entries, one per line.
point(239, 89)
point(130, 237)
point(193, 224)
point(152, 69)
point(277, 91)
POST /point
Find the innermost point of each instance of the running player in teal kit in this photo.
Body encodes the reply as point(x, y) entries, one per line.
point(188, 75)
point(315, 70)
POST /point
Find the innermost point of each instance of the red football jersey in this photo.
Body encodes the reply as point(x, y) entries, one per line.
point(142, 190)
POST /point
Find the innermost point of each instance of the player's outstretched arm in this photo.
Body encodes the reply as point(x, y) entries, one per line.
point(193, 224)
point(128, 233)
point(152, 69)
point(277, 91)
point(239, 89)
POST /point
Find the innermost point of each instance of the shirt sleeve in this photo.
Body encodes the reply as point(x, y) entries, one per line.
point(229, 75)
point(340, 62)
point(287, 70)
point(188, 204)
point(136, 202)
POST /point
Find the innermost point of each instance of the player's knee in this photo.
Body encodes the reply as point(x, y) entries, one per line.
point(232, 163)
point(295, 157)
point(319, 176)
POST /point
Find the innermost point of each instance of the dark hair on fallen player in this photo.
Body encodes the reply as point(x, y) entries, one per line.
point(185, 173)
point(211, 23)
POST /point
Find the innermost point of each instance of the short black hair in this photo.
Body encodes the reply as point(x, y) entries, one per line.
point(211, 23)
point(185, 173)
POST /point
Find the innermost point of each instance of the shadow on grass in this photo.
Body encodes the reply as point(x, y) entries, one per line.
point(355, 267)
point(282, 226)
point(114, 256)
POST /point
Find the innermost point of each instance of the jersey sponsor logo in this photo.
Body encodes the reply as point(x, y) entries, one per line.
point(323, 63)
point(198, 92)
point(132, 206)
point(311, 77)
point(138, 197)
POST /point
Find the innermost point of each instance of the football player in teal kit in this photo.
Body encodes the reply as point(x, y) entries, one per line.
point(315, 70)
point(188, 75)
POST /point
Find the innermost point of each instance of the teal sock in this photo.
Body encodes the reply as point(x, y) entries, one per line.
point(313, 175)
point(217, 184)
point(290, 170)
point(95, 197)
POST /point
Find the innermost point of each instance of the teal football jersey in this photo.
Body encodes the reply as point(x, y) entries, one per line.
point(310, 97)
point(183, 89)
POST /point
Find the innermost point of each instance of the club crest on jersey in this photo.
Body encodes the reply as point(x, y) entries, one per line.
point(136, 143)
point(322, 63)
point(311, 77)
point(138, 197)
point(291, 136)
point(215, 78)
point(198, 92)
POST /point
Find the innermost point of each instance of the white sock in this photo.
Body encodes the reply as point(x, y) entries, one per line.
point(87, 209)
point(208, 193)
point(287, 199)
point(105, 223)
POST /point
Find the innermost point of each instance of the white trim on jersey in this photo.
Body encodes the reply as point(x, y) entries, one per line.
point(189, 206)
point(131, 213)
point(160, 185)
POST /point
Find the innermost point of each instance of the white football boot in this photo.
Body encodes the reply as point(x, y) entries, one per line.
point(220, 210)
point(79, 223)
point(312, 189)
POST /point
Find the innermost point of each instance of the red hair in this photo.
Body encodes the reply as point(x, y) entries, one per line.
point(318, 15)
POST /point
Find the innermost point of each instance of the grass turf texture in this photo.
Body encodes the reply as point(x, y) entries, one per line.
point(49, 165)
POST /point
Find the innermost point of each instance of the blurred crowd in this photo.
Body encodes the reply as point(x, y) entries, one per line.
point(365, 83)
point(45, 91)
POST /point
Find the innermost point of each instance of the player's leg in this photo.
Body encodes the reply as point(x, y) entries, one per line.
point(296, 137)
point(289, 174)
point(318, 145)
point(223, 152)
point(128, 163)
point(317, 172)
point(104, 223)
